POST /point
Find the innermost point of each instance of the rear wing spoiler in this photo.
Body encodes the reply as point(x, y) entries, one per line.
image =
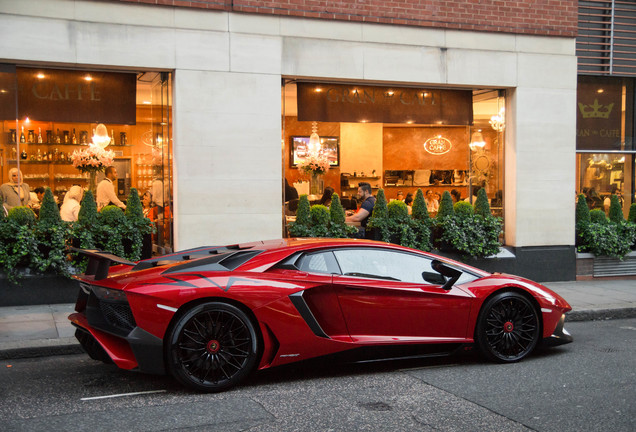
point(99, 262)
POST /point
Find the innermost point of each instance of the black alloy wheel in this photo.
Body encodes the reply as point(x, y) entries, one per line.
point(212, 347)
point(508, 327)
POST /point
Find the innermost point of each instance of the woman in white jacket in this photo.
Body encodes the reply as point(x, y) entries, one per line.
point(71, 205)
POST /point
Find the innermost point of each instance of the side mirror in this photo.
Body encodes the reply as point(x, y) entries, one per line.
point(434, 278)
point(447, 271)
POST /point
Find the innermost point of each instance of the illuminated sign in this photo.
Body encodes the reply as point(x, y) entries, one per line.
point(376, 104)
point(437, 145)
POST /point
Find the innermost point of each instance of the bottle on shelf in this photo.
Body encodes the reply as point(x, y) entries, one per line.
point(39, 135)
point(112, 137)
point(14, 153)
point(39, 157)
point(22, 137)
point(122, 138)
point(12, 136)
point(73, 137)
point(49, 156)
point(31, 136)
point(58, 140)
point(56, 155)
point(24, 155)
point(66, 137)
point(49, 136)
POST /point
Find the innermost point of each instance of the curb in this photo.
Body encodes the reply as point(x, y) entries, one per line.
point(40, 351)
point(52, 347)
point(600, 314)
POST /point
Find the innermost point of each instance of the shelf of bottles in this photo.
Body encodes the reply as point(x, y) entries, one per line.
point(46, 148)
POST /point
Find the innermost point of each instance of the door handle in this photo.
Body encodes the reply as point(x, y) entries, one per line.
point(354, 288)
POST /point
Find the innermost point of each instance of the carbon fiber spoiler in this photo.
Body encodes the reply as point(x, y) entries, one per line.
point(99, 262)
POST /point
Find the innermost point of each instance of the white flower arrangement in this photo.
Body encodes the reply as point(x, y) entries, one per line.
point(92, 159)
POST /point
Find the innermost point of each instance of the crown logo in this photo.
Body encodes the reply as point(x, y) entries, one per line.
point(596, 110)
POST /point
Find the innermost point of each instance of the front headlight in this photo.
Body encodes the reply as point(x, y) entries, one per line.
point(109, 294)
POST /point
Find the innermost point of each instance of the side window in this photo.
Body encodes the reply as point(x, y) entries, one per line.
point(383, 264)
point(321, 262)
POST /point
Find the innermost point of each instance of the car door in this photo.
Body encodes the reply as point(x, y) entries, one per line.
point(384, 297)
point(317, 303)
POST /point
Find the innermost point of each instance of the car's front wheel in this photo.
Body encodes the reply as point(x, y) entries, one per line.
point(212, 347)
point(508, 327)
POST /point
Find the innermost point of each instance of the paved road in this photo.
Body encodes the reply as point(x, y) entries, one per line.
point(586, 386)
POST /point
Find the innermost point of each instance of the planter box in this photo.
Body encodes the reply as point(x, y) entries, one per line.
point(601, 266)
point(37, 290)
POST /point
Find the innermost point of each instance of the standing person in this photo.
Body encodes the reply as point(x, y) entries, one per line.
point(432, 205)
point(15, 192)
point(71, 205)
point(106, 192)
point(366, 208)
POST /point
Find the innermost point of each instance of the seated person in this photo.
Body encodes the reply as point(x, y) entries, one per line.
point(366, 208)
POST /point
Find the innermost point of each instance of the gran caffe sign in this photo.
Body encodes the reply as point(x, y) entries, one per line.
point(598, 120)
point(377, 104)
point(75, 96)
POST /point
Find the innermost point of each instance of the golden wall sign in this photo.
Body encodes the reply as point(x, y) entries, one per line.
point(375, 104)
point(598, 120)
point(437, 145)
point(76, 96)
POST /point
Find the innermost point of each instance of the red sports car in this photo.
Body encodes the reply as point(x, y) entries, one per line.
point(210, 316)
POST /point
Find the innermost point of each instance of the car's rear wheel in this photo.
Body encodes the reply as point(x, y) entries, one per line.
point(212, 347)
point(508, 327)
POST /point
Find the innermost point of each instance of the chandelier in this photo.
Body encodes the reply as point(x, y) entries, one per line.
point(498, 122)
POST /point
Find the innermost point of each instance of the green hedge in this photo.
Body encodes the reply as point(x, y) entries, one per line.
point(40, 244)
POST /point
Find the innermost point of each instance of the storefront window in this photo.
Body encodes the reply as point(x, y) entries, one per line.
point(605, 141)
point(397, 138)
point(56, 112)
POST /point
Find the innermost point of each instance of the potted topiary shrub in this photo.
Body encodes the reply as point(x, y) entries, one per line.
point(378, 225)
point(138, 245)
point(472, 232)
point(605, 237)
point(301, 227)
point(113, 228)
point(17, 242)
point(337, 226)
point(51, 234)
point(422, 222)
point(319, 216)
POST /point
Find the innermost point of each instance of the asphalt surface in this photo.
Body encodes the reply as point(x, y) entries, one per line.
point(588, 385)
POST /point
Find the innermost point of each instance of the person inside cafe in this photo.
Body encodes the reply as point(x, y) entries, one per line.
point(71, 205)
point(326, 196)
point(366, 208)
point(15, 192)
point(456, 195)
point(35, 201)
point(106, 190)
point(400, 196)
point(409, 202)
point(432, 205)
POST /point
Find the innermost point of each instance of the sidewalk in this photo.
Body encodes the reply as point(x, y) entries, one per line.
point(43, 330)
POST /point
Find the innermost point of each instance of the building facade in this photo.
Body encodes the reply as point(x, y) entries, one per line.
point(235, 70)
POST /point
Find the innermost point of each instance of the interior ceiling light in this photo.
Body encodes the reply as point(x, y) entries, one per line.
point(477, 141)
point(314, 147)
point(88, 78)
point(40, 75)
point(498, 122)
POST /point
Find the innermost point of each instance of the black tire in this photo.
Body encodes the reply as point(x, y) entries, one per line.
point(212, 347)
point(508, 327)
